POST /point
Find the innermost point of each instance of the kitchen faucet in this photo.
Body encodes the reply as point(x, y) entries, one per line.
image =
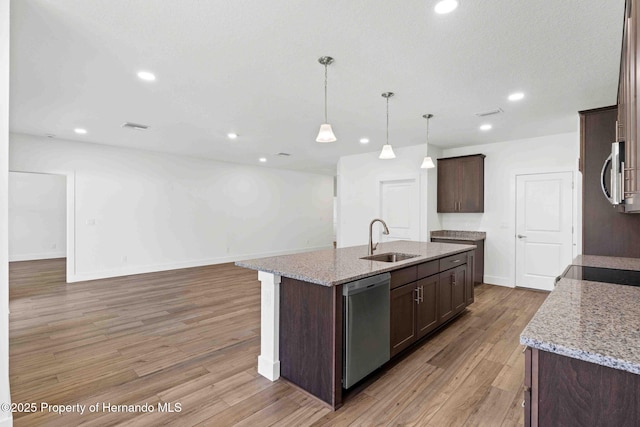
point(373, 247)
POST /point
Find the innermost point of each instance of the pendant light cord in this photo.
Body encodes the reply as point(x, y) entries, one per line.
point(387, 120)
point(325, 94)
point(428, 132)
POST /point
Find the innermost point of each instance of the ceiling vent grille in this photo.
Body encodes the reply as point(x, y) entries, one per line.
point(490, 112)
point(283, 154)
point(135, 126)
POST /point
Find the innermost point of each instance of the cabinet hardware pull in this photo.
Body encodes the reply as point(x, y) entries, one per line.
point(456, 261)
point(524, 348)
point(523, 403)
point(417, 291)
point(422, 293)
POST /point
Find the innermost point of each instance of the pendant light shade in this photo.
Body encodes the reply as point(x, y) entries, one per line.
point(387, 151)
point(326, 133)
point(427, 163)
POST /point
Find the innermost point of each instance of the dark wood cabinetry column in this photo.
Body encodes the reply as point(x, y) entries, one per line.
point(605, 231)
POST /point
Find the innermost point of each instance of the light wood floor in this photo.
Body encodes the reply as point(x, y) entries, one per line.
point(192, 337)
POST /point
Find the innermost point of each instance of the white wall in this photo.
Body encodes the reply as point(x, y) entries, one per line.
point(135, 211)
point(504, 160)
point(5, 417)
point(359, 179)
point(37, 216)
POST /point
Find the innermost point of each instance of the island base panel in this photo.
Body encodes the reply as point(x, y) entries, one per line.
point(311, 338)
point(562, 391)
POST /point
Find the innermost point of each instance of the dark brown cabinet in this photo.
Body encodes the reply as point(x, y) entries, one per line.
point(413, 310)
point(563, 391)
point(478, 262)
point(627, 119)
point(403, 317)
point(427, 306)
point(452, 286)
point(469, 281)
point(425, 296)
point(461, 184)
point(621, 234)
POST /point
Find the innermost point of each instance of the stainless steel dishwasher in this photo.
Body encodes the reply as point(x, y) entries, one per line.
point(366, 327)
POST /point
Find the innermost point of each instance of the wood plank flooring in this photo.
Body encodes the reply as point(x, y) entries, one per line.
point(191, 337)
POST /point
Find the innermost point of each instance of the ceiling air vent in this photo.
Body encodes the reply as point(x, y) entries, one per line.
point(490, 112)
point(135, 126)
point(283, 154)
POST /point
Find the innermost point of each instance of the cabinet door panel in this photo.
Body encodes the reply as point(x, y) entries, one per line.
point(447, 185)
point(427, 308)
point(445, 295)
point(403, 317)
point(458, 289)
point(471, 194)
point(469, 279)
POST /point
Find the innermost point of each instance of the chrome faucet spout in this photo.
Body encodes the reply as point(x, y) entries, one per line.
point(373, 247)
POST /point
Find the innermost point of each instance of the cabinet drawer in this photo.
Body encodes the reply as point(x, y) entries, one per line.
point(404, 276)
point(428, 269)
point(453, 261)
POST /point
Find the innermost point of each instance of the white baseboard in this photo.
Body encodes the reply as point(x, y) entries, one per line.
point(6, 420)
point(130, 270)
point(32, 257)
point(498, 280)
point(268, 368)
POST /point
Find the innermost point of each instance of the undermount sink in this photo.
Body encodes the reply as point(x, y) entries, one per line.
point(389, 257)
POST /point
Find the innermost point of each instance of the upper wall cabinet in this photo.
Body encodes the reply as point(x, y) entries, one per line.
point(461, 184)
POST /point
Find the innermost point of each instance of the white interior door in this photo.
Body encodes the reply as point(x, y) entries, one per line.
point(400, 209)
point(544, 228)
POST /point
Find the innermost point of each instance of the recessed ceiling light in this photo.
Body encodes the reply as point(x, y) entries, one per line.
point(486, 127)
point(146, 75)
point(364, 140)
point(446, 6)
point(232, 135)
point(262, 159)
point(516, 96)
point(80, 131)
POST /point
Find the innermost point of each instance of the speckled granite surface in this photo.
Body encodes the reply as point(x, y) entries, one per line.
point(608, 262)
point(459, 235)
point(336, 266)
point(591, 321)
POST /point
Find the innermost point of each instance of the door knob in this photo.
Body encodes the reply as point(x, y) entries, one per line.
point(520, 236)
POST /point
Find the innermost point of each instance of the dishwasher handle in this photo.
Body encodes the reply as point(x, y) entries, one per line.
point(365, 284)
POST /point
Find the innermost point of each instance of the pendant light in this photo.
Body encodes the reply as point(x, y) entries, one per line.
point(387, 150)
point(326, 133)
point(427, 163)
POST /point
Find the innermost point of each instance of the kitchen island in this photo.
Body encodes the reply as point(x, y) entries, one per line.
point(582, 360)
point(302, 305)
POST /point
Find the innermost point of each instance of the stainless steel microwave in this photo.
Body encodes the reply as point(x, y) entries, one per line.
point(621, 188)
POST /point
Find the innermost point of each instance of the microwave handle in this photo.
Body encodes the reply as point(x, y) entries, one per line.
point(603, 184)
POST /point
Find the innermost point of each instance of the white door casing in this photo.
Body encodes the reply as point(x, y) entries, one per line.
point(400, 209)
point(544, 228)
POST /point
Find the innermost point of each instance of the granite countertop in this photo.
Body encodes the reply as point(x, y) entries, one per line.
point(591, 321)
point(607, 262)
point(333, 267)
point(459, 235)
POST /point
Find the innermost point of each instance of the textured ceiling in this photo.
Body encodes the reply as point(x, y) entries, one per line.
point(250, 67)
